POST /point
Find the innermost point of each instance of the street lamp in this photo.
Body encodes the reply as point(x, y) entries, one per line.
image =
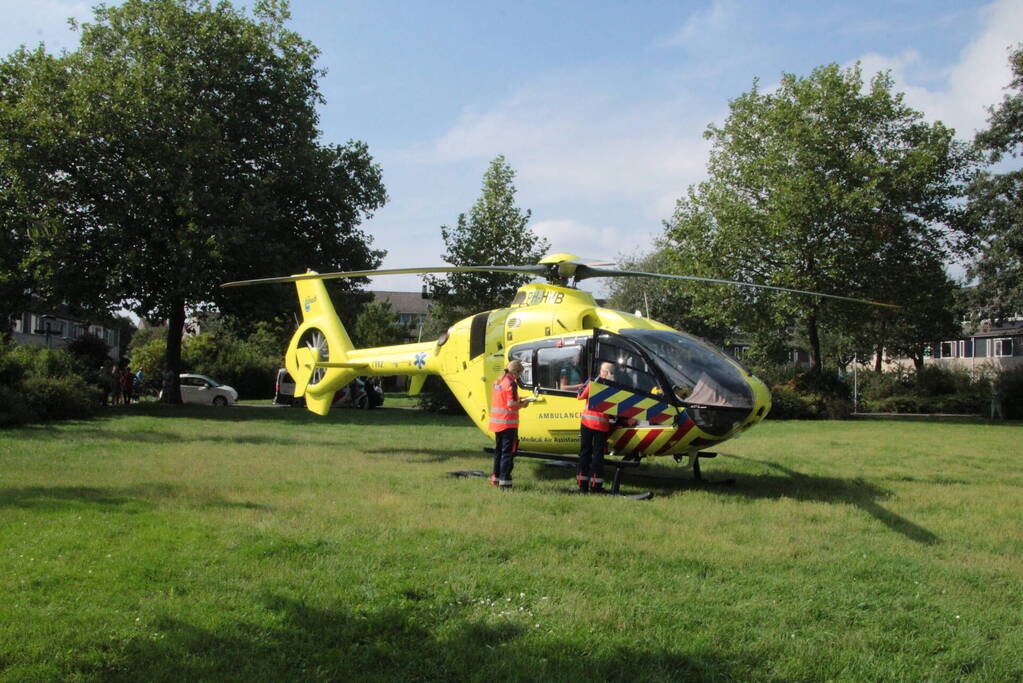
point(47, 328)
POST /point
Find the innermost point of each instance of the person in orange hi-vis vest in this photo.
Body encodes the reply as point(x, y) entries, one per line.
point(593, 430)
point(504, 422)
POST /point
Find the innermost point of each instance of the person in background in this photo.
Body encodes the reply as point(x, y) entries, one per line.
point(127, 381)
point(136, 386)
point(504, 422)
point(116, 395)
point(593, 431)
point(105, 379)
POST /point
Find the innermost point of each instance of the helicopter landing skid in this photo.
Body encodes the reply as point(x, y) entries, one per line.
point(697, 475)
point(571, 462)
point(642, 495)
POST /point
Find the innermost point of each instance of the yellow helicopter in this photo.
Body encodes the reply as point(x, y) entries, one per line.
point(673, 394)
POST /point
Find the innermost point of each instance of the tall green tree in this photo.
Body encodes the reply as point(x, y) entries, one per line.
point(996, 207)
point(494, 232)
point(181, 137)
point(663, 300)
point(377, 325)
point(825, 184)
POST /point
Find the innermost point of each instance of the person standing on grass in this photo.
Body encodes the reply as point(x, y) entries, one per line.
point(594, 428)
point(116, 396)
point(136, 385)
point(127, 380)
point(504, 422)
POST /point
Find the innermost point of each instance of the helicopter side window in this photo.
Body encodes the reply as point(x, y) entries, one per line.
point(524, 354)
point(632, 372)
point(560, 368)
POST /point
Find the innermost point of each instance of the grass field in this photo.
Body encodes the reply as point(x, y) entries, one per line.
point(257, 543)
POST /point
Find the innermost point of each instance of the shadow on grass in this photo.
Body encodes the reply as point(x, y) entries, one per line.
point(152, 436)
point(428, 455)
point(410, 642)
point(284, 414)
point(978, 421)
point(789, 483)
point(129, 499)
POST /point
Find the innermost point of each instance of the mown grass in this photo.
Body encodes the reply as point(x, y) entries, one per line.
point(256, 543)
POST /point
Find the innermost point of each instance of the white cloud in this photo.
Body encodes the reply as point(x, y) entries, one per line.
point(573, 138)
point(703, 24)
point(586, 241)
point(971, 85)
point(29, 23)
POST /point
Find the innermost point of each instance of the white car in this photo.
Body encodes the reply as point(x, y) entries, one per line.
point(206, 390)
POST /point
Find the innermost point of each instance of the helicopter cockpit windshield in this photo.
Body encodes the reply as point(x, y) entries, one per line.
point(698, 373)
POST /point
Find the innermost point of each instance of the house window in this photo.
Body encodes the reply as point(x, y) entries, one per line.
point(966, 348)
point(948, 349)
point(1001, 348)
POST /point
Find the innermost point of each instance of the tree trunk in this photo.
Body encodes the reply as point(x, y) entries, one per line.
point(175, 328)
point(879, 354)
point(918, 361)
point(814, 335)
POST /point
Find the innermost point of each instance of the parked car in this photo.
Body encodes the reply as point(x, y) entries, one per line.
point(284, 388)
point(205, 390)
point(361, 392)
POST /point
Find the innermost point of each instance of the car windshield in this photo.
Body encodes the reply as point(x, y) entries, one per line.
point(699, 373)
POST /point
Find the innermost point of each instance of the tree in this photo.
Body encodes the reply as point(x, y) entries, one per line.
point(662, 300)
point(377, 325)
point(823, 185)
point(996, 208)
point(180, 149)
point(495, 232)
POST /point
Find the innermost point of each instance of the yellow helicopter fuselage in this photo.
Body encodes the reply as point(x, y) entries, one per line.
point(673, 394)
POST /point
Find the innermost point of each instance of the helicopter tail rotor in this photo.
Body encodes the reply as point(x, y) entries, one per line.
point(320, 339)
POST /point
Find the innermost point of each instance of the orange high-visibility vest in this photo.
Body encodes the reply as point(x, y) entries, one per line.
point(504, 409)
point(592, 418)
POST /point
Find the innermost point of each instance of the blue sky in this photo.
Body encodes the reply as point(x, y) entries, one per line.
point(599, 106)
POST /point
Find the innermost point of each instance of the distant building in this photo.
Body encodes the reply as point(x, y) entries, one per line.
point(41, 325)
point(987, 345)
point(411, 308)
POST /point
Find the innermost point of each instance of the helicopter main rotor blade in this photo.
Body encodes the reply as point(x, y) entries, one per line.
point(537, 270)
point(583, 272)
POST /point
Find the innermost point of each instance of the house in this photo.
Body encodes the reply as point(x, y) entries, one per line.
point(997, 346)
point(412, 308)
point(41, 325)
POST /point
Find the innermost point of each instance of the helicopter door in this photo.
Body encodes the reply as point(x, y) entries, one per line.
point(633, 372)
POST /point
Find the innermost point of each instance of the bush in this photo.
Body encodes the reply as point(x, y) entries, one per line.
point(90, 351)
point(789, 404)
point(931, 390)
point(43, 384)
point(13, 409)
point(1010, 382)
point(436, 397)
point(804, 394)
point(60, 398)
